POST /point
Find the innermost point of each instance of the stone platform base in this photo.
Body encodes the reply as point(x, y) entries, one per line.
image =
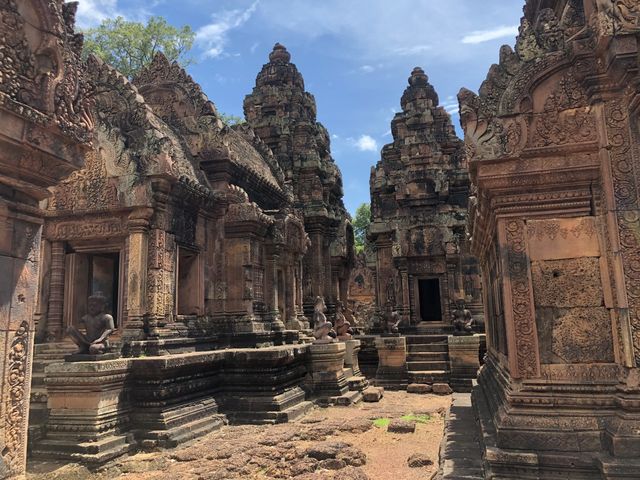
point(506, 464)
point(101, 410)
point(460, 452)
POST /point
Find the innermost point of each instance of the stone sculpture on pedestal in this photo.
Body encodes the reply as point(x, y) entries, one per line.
point(322, 328)
point(462, 319)
point(98, 326)
point(343, 326)
point(391, 322)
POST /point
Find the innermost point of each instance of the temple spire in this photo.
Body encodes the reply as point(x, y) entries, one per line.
point(279, 54)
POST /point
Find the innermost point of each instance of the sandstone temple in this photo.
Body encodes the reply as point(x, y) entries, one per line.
point(207, 274)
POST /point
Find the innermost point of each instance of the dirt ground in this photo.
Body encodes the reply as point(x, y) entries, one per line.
point(337, 443)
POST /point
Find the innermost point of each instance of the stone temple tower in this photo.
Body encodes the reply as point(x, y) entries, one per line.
point(283, 115)
point(419, 195)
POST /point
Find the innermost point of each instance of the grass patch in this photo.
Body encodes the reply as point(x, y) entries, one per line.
point(417, 418)
point(381, 422)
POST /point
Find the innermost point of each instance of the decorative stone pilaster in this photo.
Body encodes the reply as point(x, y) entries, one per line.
point(276, 319)
point(138, 244)
point(55, 325)
point(464, 361)
point(392, 362)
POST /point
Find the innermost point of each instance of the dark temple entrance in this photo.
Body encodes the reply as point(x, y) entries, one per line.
point(430, 308)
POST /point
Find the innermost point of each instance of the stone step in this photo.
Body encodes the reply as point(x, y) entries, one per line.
point(51, 357)
point(38, 413)
point(39, 365)
point(422, 366)
point(425, 339)
point(37, 380)
point(358, 383)
point(55, 347)
point(93, 453)
point(428, 357)
point(428, 348)
point(183, 433)
point(429, 376)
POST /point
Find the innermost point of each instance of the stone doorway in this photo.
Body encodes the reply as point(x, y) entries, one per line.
point(189, 281)
point(88, 273)
point(430, 300)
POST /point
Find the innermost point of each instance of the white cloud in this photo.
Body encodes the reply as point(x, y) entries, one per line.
point(413, 50)
point(451, 108)
point(380, 30)
point(92, 12)
point(365, 143)
point(480, 36)
point(213, 37)
point(367, 68)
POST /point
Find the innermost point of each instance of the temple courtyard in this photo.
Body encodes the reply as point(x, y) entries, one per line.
point(364, 441)
point(186, 296)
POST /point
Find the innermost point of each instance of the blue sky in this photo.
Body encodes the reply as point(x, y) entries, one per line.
point(355, 56)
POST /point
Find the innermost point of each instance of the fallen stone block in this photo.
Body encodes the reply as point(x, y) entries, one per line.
point(373, 394)
point(442, 389)
point(421, 388)
point(402, 426)
point(418, 460)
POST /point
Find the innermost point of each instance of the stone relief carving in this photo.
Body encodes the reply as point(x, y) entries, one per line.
point(522, 308)
point(614, 16)
point(566, 118)
point(16, 403)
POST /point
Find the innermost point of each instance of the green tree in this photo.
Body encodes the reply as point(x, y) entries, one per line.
point(129, 46)
point(230, 119)
point(361, 223)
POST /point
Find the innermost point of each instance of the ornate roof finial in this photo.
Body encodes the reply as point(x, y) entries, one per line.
point(279, 54)
point(418, 78)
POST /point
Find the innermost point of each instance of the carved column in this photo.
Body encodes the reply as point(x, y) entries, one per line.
point(276, 319)
point(522, 337)
point(55, 326)
point(404, 274)
point(138, 242)
point(623, 216)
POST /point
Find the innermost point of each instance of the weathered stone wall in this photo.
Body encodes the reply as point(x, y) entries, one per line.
point(45, 127)
point(554, 168)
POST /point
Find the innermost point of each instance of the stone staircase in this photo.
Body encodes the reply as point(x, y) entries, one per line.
point(428, 358)
point(45, 354)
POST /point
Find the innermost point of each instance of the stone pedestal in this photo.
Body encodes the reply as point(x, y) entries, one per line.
point(351, 356)
point(263, 385)
point(464, 361)
point(326, 364)
point(392, 364)
point(89, 411)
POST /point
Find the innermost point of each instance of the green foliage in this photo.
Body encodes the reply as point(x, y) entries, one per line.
point(361, 223)
point(129, 46)
point(422, 418)
point(231, 119)
point(381, 422)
